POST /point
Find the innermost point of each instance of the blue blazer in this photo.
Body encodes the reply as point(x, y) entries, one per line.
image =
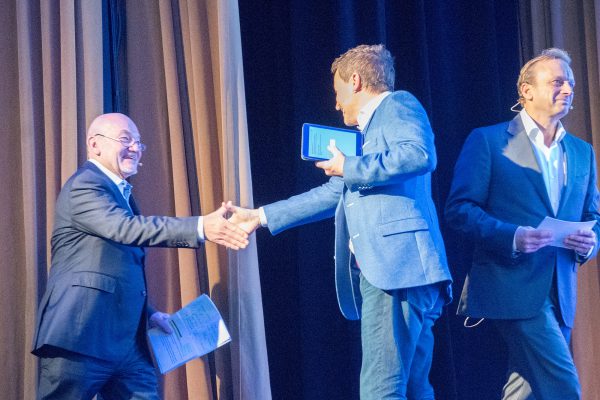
point(95, 301)
point(383, 203)
point(497, 187)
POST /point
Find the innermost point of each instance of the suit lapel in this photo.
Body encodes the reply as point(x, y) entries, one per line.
point(133, 205)
point(520, 151)
point(113, 187)
point(570, 160)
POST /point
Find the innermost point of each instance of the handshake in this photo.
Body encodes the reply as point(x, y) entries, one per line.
point(230, 225)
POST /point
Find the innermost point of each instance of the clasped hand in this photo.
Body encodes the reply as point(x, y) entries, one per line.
point(244, 218)
point(219, 230)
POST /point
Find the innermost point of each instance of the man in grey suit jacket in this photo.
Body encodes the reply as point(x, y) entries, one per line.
point(391, 268)
point(92, 320)
point(508, 178)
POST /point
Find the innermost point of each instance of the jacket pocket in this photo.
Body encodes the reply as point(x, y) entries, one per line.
point(95, 280)
point(402, 226)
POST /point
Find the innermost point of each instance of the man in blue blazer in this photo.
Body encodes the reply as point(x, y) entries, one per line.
point(508, 178)
point(92, 320)
point(391, 268)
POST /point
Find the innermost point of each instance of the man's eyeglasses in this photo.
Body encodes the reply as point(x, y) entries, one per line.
point(126, 142)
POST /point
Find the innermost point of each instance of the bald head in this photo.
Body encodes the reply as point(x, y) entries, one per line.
point(110, 123)
point(107, 139)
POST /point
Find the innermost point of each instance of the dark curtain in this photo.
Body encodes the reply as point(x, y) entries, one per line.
point(461, 59)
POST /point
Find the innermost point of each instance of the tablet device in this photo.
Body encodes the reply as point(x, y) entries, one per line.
point(316, 138)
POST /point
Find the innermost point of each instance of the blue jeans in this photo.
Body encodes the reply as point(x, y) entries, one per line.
point(397, 341)
point(65, 375)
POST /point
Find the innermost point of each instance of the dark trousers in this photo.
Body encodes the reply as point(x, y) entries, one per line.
point(397, 341)
point(540, 363)
point(66, 375)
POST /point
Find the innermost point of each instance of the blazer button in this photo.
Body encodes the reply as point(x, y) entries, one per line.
point(144, 293)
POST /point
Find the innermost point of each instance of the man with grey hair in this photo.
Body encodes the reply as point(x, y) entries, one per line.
point(508, 178)
point(391, 268)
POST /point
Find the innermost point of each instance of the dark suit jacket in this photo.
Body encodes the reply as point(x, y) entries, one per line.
point(383, 203)
point(497, 187)
point(95, 301)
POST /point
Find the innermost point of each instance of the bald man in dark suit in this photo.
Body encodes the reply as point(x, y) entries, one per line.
point(92, 320)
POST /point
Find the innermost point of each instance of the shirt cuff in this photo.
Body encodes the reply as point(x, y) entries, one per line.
point(201, 237)
point(515, 252)
point(588, 254)
point(263, 217)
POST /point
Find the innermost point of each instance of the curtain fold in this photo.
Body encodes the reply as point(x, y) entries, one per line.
point(186, 91)
point(249, 368)
point(30, 119)
point(574, 26)
point(48, 92)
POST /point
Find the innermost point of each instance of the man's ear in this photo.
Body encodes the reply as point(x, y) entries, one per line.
point(526, 91)
point(93, 145)
point(356, 82)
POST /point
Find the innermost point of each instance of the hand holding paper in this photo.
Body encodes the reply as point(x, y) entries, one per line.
point(161, 320)
point(577, 236)
point(582, 241)
point(530, 240)
point(197, 329)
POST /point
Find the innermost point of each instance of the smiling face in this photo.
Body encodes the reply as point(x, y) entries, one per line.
point(104, 144)
point(347, 99)
point(550, 92)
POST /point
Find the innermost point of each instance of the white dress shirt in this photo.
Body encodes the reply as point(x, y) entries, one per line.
point(367, 111)
point(550, 158)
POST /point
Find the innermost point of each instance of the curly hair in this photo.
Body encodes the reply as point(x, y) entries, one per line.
point(373, 63)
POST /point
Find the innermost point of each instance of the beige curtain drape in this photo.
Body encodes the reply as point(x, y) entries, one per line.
point(49, 90)
point(574, 25)
point(186, 93)
point(185, 77)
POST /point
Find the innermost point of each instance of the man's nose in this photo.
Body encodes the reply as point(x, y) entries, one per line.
point(567, 87)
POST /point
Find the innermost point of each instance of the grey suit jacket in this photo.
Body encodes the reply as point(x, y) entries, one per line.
point(497, 187)
point(383, 203)
point(95, 301)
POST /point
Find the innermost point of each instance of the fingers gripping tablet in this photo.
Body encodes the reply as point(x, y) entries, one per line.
point(316, 138)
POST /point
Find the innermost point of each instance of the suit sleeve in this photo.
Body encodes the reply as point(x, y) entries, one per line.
point(590, 208)
point(96, 211)
point(311, 206)
point(410, 149)
point(465, 207)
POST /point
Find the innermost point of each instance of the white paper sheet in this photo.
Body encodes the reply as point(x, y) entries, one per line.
point(561, 229)
point(197, 330)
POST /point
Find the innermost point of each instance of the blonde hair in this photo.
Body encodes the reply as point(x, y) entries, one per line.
point(374, 64)
point(527, 71)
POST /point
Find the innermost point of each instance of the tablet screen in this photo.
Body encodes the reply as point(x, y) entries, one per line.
point(316, 138)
